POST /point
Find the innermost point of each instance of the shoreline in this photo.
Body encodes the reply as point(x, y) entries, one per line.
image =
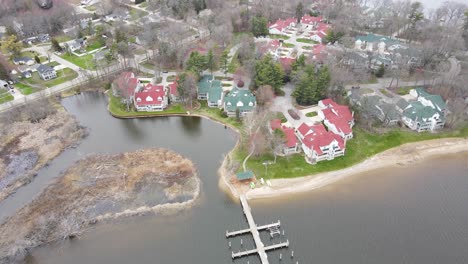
point(404, 155)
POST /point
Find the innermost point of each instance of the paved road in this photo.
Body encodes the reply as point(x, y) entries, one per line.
point(284, 103)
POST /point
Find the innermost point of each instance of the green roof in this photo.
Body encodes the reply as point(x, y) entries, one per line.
point(239, 98)
point(434, 98)
point(215, 92)
point(419, 111)
point(371, 38)
point(205, 83)
point(245, 175)
point(402, 104)
point(390, 111)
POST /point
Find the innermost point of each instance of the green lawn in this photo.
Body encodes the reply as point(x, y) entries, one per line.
point(91, 8)
point(53, 63)
point(136, 14)
point(29, 54)
point(234, 65)
point(26, 89)
point(275, 36)
point(215, 113)
point(143, 5)
point(5, 96)
point(147, 65)
point(361, 147)
point(307, 47)
point(311, 114)
point(62, 76)
point(119, 109)
point(288, 45)
point(93, 45)
point(404, 90)
point(366, 90)
point(309, 41)
point(85, 62)
point(386, 93)
point(171, 78)
point(281, 117)
point(63, 38)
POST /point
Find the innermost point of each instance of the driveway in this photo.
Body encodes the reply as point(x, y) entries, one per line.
point(284, 103)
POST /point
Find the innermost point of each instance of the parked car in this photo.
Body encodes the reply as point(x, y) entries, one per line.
point(294, 114)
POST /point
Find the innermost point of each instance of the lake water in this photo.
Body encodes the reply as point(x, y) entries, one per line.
point(402, 215)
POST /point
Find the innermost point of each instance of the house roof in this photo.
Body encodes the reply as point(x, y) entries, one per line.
point(42, 69)
point(338, 115)
point(402, 104)
point(319, 141)
point(286, 61)
point(244, 175)
point(205, 83)
point(128, 80)
point(21, 59)
point(150, 95)
point(417, 111)
point(306, 19)
point(291, 140)
point(282, 24)
point(239, 98)
point(373, 38)
point(173, 87)
point(436, 99)
point(215, 92)
point(390, 111)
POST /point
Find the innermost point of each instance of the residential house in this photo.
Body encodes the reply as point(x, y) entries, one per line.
point(204, 86)
point(211, 90)
point(215, 94)
point(427, 113)
point(432, 100)
point(310, 21)
point(23, 61)
point(241, 100)
point(125, 86)
point(150, 98)
point(281, 26)
point(319, 144)
point(46, 72)
point(173, 92)
point(26, 74)
point(76, 44)
point(422, 118)
point(372, 42)
point(338, 118)
point(387, 113)
point(291, 145)
point(401, 105)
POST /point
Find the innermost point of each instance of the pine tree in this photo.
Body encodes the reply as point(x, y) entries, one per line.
point(224, 61)
point(259, 26)
point(56, 46)
point(299, 12)
point(210, 61)
point(269, 73)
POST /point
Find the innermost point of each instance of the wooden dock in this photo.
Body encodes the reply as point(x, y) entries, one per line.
point(253, 229)
point(259, 228)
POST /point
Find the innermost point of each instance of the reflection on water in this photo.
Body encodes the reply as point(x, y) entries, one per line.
point(402, 215)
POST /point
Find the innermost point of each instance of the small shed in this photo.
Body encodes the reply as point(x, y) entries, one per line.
point(245, 175)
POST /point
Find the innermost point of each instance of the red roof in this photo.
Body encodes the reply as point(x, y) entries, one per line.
point(150, 95)
point(282, 24)
point(304, 129)
point(318, 141)
point(291, 140)
point(173, 87)
point(338, 115)
point(275, 124)
point(323, 27)
point(306, 19)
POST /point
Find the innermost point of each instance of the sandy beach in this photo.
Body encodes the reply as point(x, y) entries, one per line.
point(404, 155)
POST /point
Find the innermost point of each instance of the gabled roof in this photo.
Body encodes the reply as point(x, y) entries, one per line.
point(205, 83)
point(306, 19)
point(150, 95)
point(173, 87)
point(244, 175)
point(402, 104)
point(291, 140)
point(239, 98)
point(417, 111)
point(42, 69)
point(215, 92)
point(373, 38)
point(282, 24)
point(319, 141)
point(21, 59)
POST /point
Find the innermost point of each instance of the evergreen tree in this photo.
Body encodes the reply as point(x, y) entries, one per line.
point(210, 61)
point(259, 26)
point(299, 12)
point(3, 72)
point(332, 36)
point(312, 86)
point(56, 46)
point(199, 5)
point(268, 72)
point(465, 30)
point(196, 63)
point(36, 58)
point(380, 72)
point(299, 63)
point(224, 61)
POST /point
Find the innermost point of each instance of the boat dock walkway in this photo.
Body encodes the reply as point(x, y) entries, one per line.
point(253, 229)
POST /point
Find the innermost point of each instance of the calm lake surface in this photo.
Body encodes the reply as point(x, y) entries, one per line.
point(402, 215)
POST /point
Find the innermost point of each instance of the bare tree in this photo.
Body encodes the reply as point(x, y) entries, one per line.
point(265, 95)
